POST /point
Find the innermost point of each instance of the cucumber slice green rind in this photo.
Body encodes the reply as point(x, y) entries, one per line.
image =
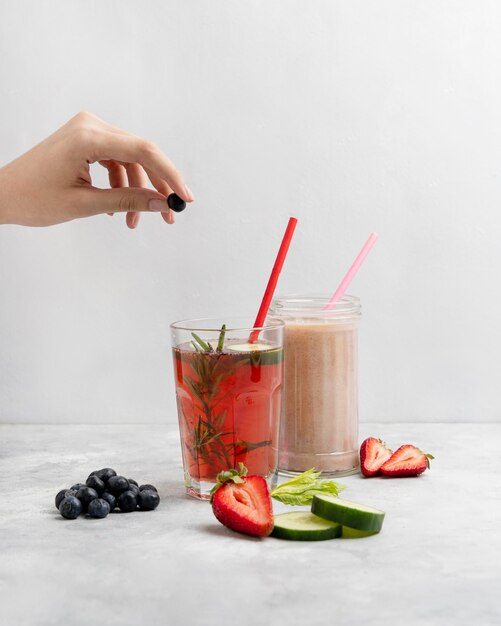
point(267, 357)
point(304, 526)
point(353, 533)
point(347, 513)
point(263, 357)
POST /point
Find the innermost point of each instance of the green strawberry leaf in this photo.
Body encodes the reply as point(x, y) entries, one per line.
point(428, 457)
point(236, 476)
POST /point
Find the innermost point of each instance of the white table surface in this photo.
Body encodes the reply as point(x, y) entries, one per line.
point(436, 561)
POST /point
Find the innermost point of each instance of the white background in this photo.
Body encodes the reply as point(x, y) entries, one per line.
point(353, 116)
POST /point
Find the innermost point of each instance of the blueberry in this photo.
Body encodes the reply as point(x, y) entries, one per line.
point(132, 482)
point(95, 483)
point(110, 499)
point(70, 507)
point(176, 203)
point(127, 502)
point(86, 495)
point(117, 484)
point(105, 474)
point(133, 488)
point(63, 494)
point(150, 487)
point(78, 486)
point(98, 508)
point(148, 499)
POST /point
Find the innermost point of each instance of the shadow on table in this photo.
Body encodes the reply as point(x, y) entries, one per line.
point(221, 531)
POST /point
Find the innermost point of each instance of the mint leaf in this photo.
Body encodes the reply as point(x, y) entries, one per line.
point(299, 491)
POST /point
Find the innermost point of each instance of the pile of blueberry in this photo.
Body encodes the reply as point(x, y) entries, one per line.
point(102, 492)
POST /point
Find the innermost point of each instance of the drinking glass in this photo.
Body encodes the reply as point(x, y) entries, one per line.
point(228, 379)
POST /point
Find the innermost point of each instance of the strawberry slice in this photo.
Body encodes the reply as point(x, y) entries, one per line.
point(243, 503)
point(406, 461)
point(373, 453)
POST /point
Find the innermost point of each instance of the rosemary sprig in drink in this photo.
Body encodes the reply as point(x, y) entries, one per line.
point(212, 442)
point(201, 345)
point(220, 342)
point(210, 370)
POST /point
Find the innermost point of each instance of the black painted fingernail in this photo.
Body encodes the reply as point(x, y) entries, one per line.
point(176, 203)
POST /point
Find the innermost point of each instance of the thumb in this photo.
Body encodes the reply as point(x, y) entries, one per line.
point(121, 200)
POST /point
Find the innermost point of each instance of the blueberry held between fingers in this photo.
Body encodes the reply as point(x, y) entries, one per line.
point(148, 499)
point(70, 507)
point(86, 495)
point(117, 485)
point(98, 508)
point(127, 502)
point(152, 487)
point(176, 203)
point(110, 499)
point(63, 494)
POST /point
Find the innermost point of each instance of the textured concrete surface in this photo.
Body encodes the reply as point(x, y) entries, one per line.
point(435, 562)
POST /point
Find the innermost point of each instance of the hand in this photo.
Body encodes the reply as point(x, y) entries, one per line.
point(51, 183)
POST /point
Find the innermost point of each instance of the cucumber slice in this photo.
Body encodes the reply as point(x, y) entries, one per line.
point(353, 533)
point(347, 513)
point(247, 347)
point(258, 353)
point(304, 526)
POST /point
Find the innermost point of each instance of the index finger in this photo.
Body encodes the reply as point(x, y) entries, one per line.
point(132, 149)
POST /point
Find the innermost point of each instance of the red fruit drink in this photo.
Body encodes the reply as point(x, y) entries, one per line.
point(229, 405)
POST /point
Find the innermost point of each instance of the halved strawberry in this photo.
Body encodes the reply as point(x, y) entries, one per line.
point(373, 453)
point(243, 502)
point(406, 461)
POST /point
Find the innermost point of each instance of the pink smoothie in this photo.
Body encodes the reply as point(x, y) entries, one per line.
point(319, 426)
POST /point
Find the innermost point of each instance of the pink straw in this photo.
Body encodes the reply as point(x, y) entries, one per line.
point(350, 274)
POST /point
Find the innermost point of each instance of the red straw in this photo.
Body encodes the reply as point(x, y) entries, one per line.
point(272, 283)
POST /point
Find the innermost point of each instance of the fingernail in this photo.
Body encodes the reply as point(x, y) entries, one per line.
point(189, 195)
point(135, 220)
point(155, 204)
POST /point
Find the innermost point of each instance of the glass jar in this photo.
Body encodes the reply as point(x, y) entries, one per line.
point(319, 421)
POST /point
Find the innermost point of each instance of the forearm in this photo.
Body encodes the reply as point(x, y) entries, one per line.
point(3, 200)
point(6, 197)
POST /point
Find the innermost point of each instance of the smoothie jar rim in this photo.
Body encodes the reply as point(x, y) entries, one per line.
point(312, 305)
